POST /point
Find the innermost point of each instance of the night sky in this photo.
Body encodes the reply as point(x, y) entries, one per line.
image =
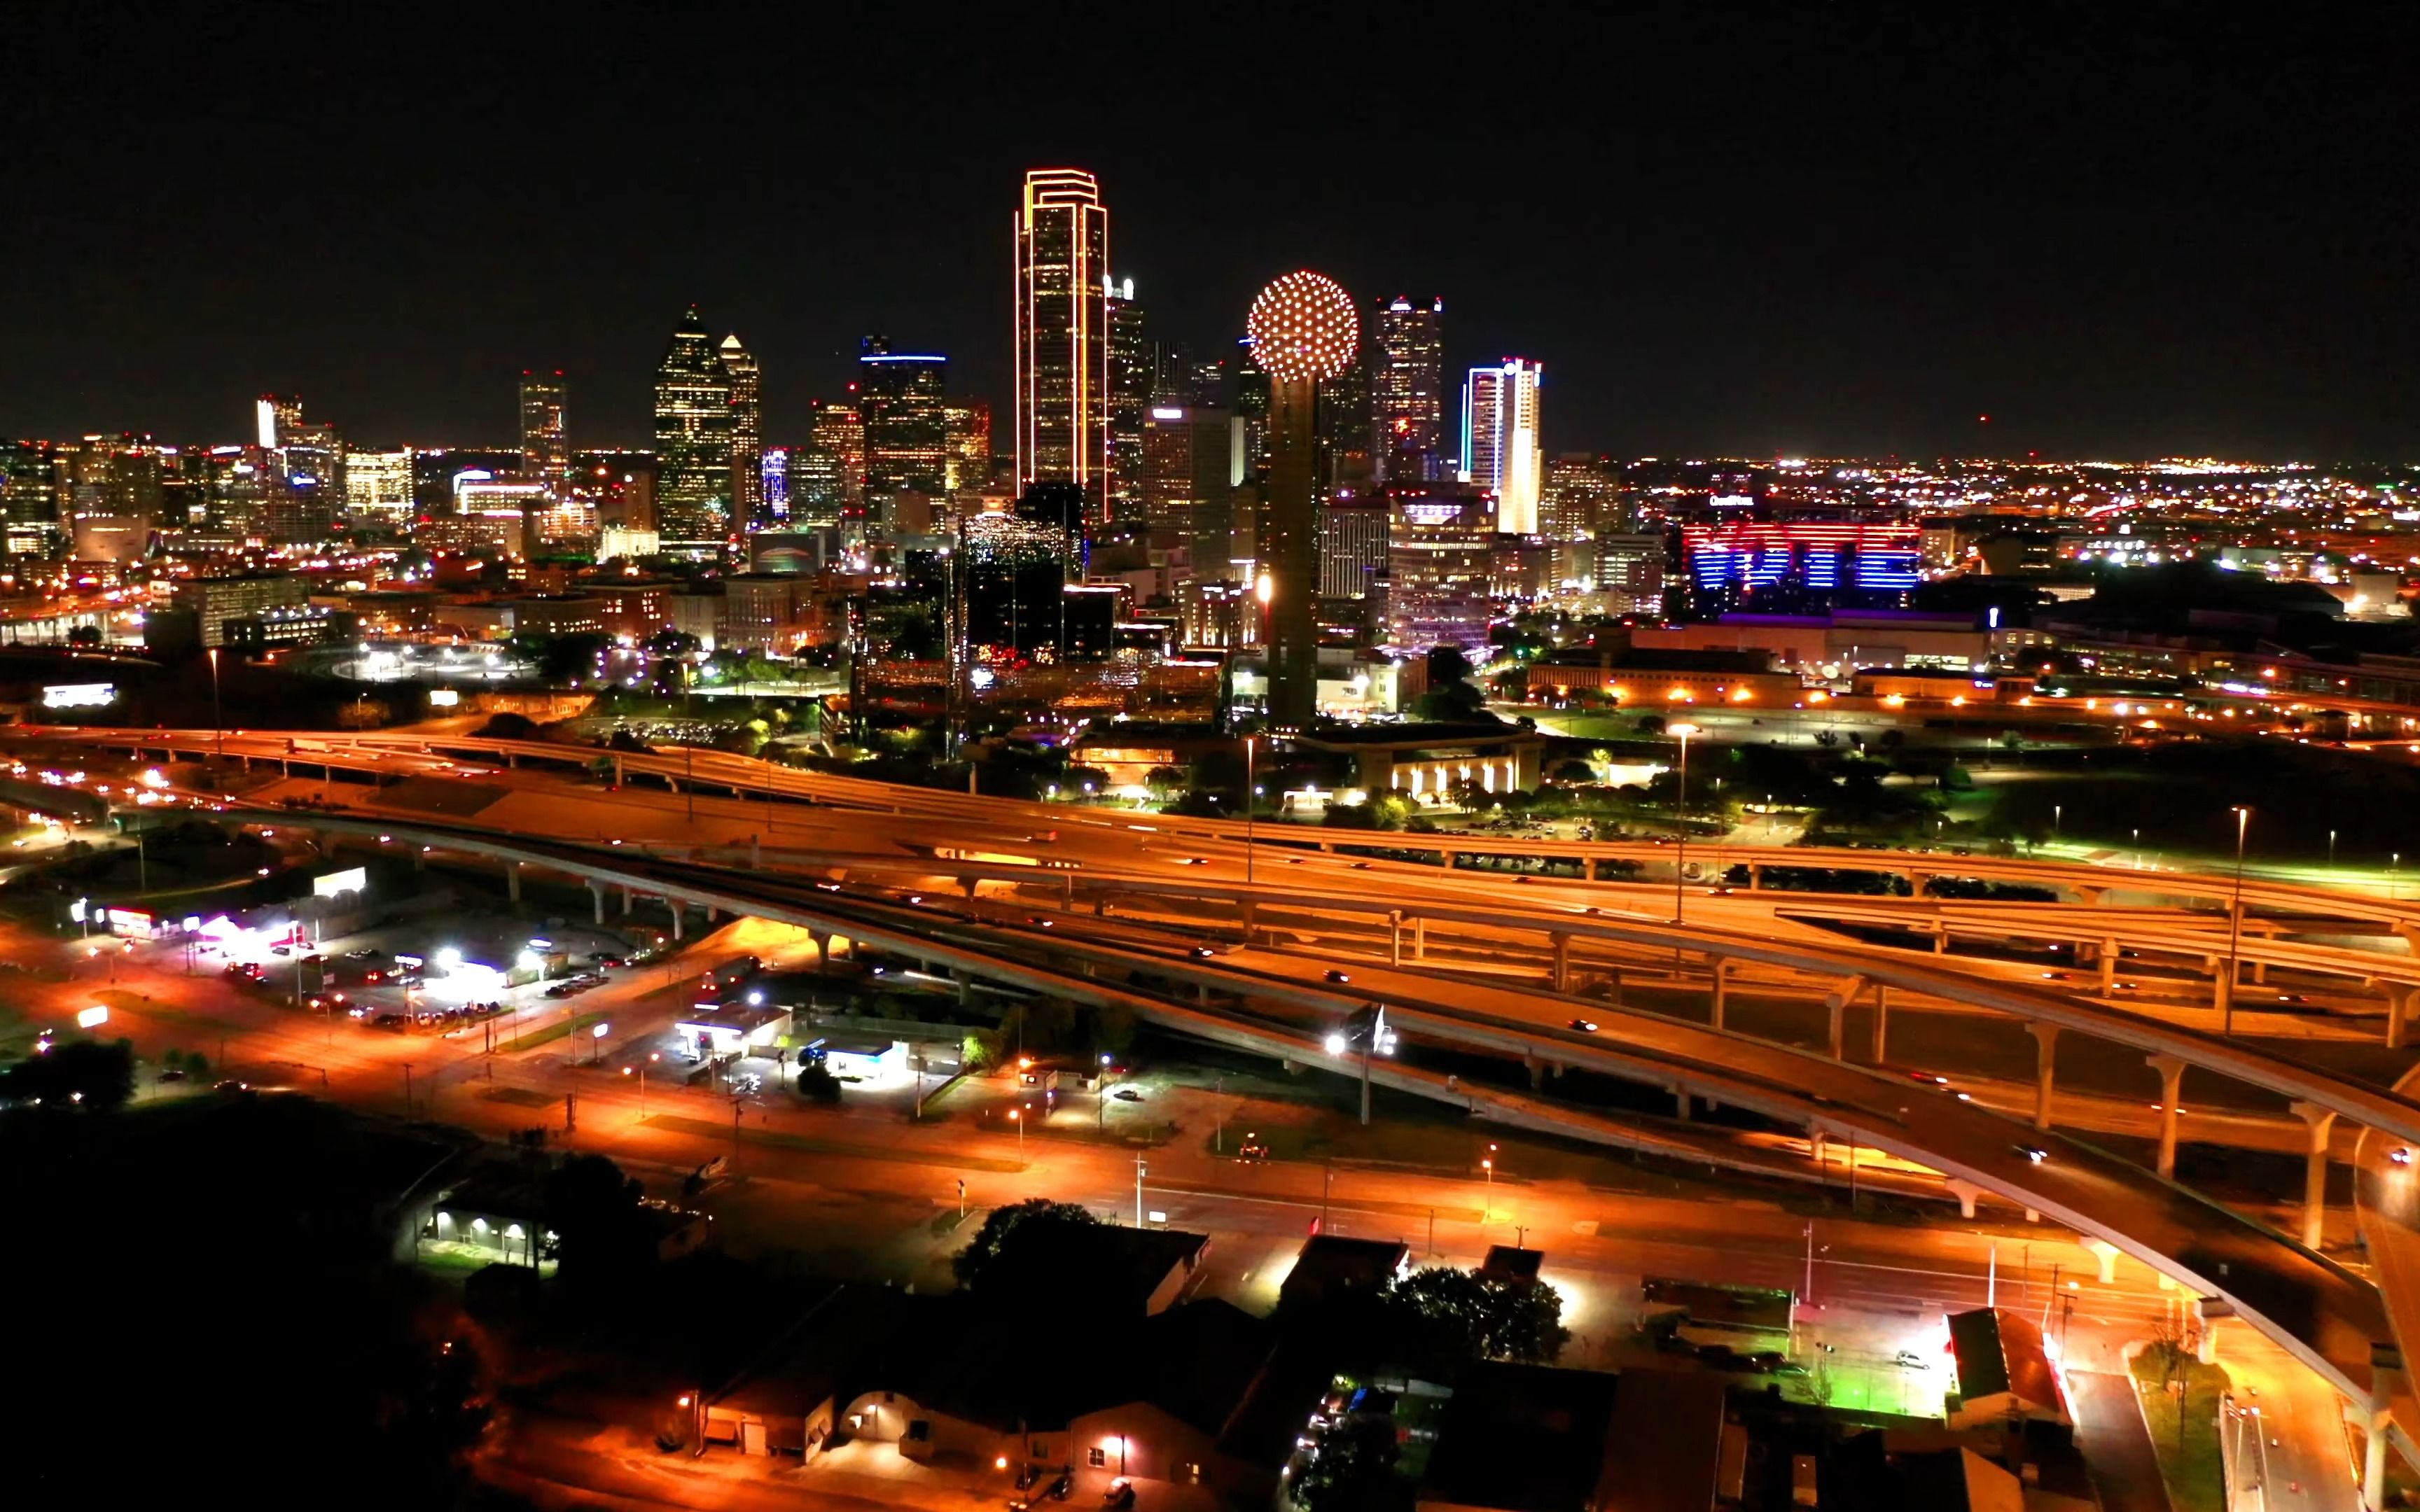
point(1844, 233)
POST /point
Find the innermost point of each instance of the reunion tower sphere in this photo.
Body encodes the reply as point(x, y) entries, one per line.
point(1303, 328)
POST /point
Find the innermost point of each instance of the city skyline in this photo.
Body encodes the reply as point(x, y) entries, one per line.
point(1860, 268)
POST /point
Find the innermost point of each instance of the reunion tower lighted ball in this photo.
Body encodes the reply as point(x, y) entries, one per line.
point(1303, 328)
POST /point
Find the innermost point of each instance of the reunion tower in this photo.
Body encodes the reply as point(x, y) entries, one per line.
point(1303, 328)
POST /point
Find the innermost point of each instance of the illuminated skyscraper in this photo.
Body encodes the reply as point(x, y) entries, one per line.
point(274, 415)
point(1130, 395)
point(1189, 483)
point(747, 434)
point(906, 422)
point(1407, 391)
point(1062, 333)
point(968, 464)
point(774, 477)
point(1499, 439)
point(830, 478)
point(692, 440)
point(545, 454)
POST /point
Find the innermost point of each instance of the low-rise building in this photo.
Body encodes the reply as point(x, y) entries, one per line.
point(2004, 1372)
point(1535, 1438)
point(1329, 1265)
point(1428, 759)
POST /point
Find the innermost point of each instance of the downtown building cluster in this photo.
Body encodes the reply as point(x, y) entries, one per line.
point(1112, 536)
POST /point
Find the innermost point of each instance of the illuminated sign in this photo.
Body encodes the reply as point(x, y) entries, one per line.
point(78, 695)
point(1167, 414)
point(444, 698)
point(1731, 500)
point(92, 1018)
point(357, 879)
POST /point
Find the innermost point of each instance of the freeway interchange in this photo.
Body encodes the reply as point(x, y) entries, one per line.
point(1231, 935)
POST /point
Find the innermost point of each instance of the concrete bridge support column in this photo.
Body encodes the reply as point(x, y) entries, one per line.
point(1562, 961)
point(627, 902)
point(1836, 1028)
point(2319, 1122)
point(678, 909)
point(597, 894)
point(1395, 937)
point(513, 881)
point(2398, 1009)
point(1722, 988)
point(2386, 1380)
point(2045, 1069)
point(1536, 1068)
point(2105, 1255)
point(1940, 939)
point(1246, 910)
point(1681, 1101)
point(2221, 986)
point(1755, 876)
point(1419, 939)
point(1882, 1022)
point(2172, 1076)
point(822, 939)
point(2108, 967)
point(1965, 1191)
point(1818, 1142)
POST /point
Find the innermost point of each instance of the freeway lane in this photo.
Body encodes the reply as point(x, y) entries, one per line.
point(2326, 1317)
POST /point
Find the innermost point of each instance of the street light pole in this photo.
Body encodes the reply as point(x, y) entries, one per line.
point(1250, 743)
point(218, 724)
point(2235, 920)
point(1681, 808)
point(1139, 1175)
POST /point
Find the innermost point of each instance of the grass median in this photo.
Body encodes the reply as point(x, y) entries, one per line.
point(2184, 1431)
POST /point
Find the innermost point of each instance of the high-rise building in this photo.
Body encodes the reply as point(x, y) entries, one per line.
point(1353, 545)
point(1582, 496)
point(273, 416)
point(1130, 395)
point(967, 462)
point(29, 499)
point(1343, 427)
point(546, 452)
point(773, 478)
point(906, 422)
point(1499, 439)
point(831, 479)
point(747, 434)
point(1407, 391)
point(1188, 482)
point(378, 485)
point(1063, 332)
point(1016, 571)
point(1440, 560)
point(693, 440)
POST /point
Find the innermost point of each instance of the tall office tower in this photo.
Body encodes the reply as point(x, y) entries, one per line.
point(693, 440)
point(1016, 575)
point(832, 476)
point(747, 434)
point(274, 415)
point(1130, 395)
point(1352, 545)
point(1499, 439)
point(1440, 561)
point(29, 499)
point(1582, 499)
point(774, 479)
point(546, 452)
point(1253, 398)
point(1062, 333)
point(378, 486)
point(1189, 483)
point(1407, 391)
point(967, 462)
point(1343, 427)
point(1303, 332)
point(907, 423)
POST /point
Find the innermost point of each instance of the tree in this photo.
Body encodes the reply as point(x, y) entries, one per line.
point(80, 1074)
point(1575, 772)
point(816, 1084)
point(363, 713)
point(508, 726)
point(1445, 1317)
point(984, 1250)
point(1650, 724)
point(1447, 664)
point(1354, 1471)
point(1820, 1384)
point(600, 1229)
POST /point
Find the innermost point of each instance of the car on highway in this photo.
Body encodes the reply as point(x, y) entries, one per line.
point(1204, 952)
point(1336, 976)
point(1584, 1025)
point(1126, 1094)
point(2400, 1155)
point(2032, 1153)
point(1927, 1077)
point(1251, 1149)
point(1910, 1360)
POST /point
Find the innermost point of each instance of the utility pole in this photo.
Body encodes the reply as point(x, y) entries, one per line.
point(1139, 1175)
point(2234, 926)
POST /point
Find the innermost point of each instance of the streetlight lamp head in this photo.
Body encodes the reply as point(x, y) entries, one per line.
point(1303, 328)
point(1683, 731)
